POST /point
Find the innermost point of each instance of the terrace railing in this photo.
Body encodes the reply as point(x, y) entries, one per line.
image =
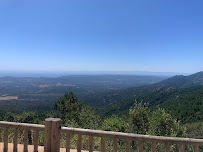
point(52, 131)
point(26, 127)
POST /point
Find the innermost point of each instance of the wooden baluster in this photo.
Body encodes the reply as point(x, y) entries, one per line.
point(103, 144)
point(15, 140)
point(196, 148)
point(25, 140)
point(67, 142)
point(167, 147)
point(182, 148)
point(127, 145)
point(154, 146)
point(5, 139)
point(36, 135)
point(79, 144)
point(115, 148)
point(91, 143)
point(140, 146)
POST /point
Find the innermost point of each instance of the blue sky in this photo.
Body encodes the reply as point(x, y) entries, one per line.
point(101, 35)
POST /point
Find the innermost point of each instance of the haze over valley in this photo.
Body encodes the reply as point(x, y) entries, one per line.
point(39, 93)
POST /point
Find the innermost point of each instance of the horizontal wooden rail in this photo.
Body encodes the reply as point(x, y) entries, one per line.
point(22, 125)
point(146, 138)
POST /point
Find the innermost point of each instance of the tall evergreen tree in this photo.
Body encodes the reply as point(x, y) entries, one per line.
point(69, 107)
point(139, 118)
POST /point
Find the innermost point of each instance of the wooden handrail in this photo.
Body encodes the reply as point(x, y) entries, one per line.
point(53, 129)
point(120, 135)
point(26, 127)
point(22, 125)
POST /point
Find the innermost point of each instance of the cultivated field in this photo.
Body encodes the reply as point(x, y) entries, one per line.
point(8, 98)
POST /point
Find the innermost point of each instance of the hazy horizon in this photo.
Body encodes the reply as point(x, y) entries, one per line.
point(67, 73)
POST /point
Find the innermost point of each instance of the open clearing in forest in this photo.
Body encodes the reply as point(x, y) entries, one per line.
point(8, 98)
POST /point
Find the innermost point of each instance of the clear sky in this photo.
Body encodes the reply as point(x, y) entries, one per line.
point(101, 35)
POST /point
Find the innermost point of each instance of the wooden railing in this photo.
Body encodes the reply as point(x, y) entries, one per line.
point(52, 130)
point(26, 127)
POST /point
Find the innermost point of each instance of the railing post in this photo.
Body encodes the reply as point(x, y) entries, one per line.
point(55, 139)
point(52, 135)
point(47, 135)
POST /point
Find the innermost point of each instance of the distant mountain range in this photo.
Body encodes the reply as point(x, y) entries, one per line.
point(180, 95)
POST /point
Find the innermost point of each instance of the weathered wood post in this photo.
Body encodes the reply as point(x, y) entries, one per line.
point(47, 135)
point(55, 138)
point(52, 135)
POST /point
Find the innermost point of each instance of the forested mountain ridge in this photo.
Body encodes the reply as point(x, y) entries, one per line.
point(183, 102)
point(181, 81)
point(132, 93)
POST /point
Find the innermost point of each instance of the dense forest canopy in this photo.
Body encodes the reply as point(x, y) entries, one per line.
point(75, 114)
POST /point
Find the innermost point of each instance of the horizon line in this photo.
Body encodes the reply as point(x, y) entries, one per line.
point(4, 73)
